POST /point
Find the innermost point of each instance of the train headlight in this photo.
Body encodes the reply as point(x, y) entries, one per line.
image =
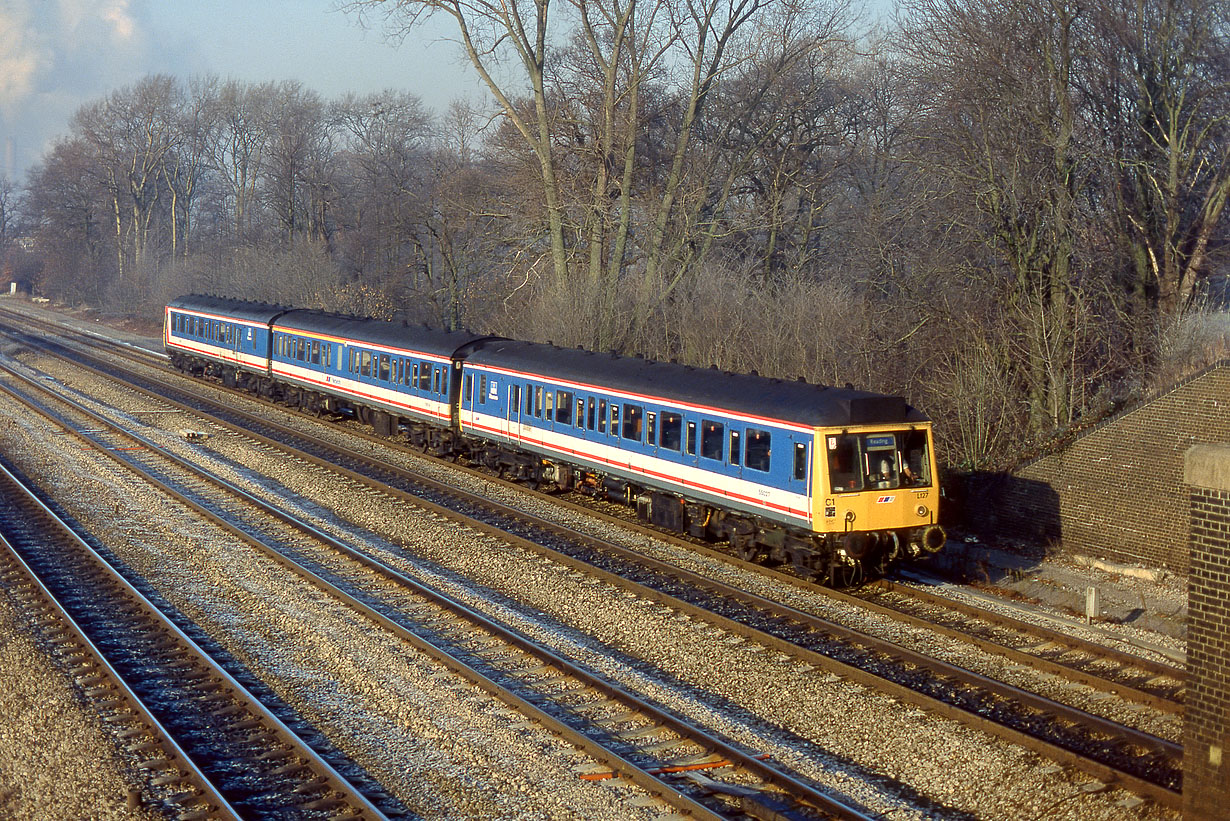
point(922, 510)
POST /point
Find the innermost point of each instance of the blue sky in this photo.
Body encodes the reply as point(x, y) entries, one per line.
point(56, 55)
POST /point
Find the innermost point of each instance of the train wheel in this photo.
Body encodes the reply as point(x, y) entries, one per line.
point(743, 542)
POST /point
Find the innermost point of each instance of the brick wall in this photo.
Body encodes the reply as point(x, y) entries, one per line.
point(1117, 492)
point(1206, 719)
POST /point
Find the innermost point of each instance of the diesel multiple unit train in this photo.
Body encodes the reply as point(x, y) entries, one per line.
point(838, 482)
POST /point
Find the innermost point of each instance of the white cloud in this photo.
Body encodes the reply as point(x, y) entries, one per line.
point(56, 55)
point(20, 57)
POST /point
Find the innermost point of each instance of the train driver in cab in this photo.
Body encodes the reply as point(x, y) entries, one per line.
point(884, 478)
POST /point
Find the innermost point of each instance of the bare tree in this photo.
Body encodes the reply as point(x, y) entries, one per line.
point(1002, 138)
point(186, 167)
point(7, 212)
point(132, 132)
point(68, 208)
point(617, 181)
point(1159, 91)
point(238, 145)
point(296, 153)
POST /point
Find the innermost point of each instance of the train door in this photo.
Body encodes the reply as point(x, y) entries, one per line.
point(691, 441)
point(651, 433)
point(800, 458)
point(454, 392)
point(512, 417)
point(734, 452)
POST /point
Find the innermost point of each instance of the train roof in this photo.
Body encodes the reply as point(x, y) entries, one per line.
point(748, 394)
point(379, 332)
point(262, 312)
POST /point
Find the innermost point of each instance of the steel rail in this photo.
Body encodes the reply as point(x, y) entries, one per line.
point(225, 680)
point(276, 726)
point(1024, 657)
point(792, 787)
point(1042, 706)
point(201, 797)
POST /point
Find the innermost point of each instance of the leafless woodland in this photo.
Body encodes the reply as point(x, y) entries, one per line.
point(1010, 211)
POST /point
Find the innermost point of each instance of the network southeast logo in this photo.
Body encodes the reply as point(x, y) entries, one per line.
point(883, 500)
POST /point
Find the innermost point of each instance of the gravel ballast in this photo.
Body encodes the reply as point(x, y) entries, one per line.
point(889, 757)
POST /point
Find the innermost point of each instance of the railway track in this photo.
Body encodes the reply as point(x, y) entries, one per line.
point(210, 748)
point(1150, 767)
point(1058, 652)
point(681, 764)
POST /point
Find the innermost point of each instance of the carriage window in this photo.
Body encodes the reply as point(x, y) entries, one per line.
point(580, 412)
point(469, 387)
point(756, 453)
point(614, 418)
point(424, 377)
point(734, 447)
point(563, 407)
point(384, 367)
point(800, 461)
point(651, 428)
point(529, 400)
point(514, 397)
point(589, 423)
point(547, 407)
point(672, 431)
point(315, 352)
point(711, 439)
point(602, 416)
point(437, 381)
point(482, 389)
point(916, 461)
point(690, 444)
point(633, 417)
point(328, 349)
point(366, 367)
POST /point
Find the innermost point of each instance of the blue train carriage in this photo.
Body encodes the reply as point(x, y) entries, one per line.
point(389, 375)
point(717, 455)
point(225, 338)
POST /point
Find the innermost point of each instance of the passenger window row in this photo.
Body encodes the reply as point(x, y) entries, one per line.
point(312, 351)
point(396, 370)
point(751, 446)
point(208, 329)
